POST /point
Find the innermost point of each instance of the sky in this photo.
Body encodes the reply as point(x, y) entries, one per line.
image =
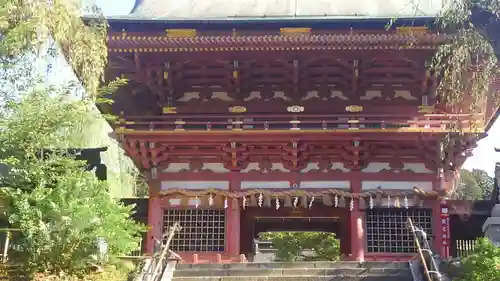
point(484, 155)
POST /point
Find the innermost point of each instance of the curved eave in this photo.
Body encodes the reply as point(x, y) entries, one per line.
point(492, 119)
point(135, 24)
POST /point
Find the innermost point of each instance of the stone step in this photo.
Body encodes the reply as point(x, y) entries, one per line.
point(291, 272)
point(299, 265)
point(299, 278)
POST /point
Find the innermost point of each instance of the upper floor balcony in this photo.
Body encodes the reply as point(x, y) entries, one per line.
point(235, 123)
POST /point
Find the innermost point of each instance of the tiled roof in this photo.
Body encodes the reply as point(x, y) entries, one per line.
point(219, 9)
point(305, 42)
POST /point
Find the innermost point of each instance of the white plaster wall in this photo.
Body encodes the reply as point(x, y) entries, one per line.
point(397, 185)
point(212, 167)
point(418, 168)
point(325, 184)
point(265, 184)
point(223, 185)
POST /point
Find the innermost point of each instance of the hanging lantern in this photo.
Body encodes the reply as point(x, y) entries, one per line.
point(295, 202)
point(311, 202)
point(336, 201)
point(397, 204)
point(244, 205)
point(351, 205)
point(405, 202)
point(277, 203)
point(388, 201)
point(225, 203)
point(210, 200)
point(371, 202)
point(261, 200)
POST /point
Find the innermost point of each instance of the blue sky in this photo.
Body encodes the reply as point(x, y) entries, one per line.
point(484, 157)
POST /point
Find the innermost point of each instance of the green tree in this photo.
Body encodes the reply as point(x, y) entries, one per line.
point(60, 209)
point(290, 246)
point(482, 264)
point(474, 185)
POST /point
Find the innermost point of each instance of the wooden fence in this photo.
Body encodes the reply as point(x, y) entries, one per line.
point(464, 248)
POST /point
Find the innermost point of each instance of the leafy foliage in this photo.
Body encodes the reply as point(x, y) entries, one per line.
point(61, 225)
point(467, 64)
point(483, 263)
point(474, 185)
point(290, 246)
point(26, 25)
point(60, 209)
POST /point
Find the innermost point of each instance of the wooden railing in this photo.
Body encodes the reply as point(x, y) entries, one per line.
point(295, 122)
point(464, 248)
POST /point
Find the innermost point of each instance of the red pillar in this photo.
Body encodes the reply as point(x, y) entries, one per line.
point(233, 221)
point(154, 217)
point(233, 230)
point(356, 226)
point(357, 234)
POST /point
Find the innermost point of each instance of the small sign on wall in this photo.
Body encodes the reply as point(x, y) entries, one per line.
point(445, 228)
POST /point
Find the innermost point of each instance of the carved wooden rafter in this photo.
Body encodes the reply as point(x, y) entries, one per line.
point(234, 158)
point(294, 154)
point(169, 80)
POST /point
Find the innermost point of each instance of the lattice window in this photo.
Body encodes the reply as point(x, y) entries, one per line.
point(387, 230)
point(203, 230)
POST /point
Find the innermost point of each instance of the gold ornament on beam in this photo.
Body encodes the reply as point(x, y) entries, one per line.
point(351, 205)
point(210, 200)
point(169, 110)
point(197, 200)
point(225, 203)
point(336, 201)
point(372, 202)
point(244, 204)
point(295, 202)
point(237, 109)
point(277, 203)
point(354, 108)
